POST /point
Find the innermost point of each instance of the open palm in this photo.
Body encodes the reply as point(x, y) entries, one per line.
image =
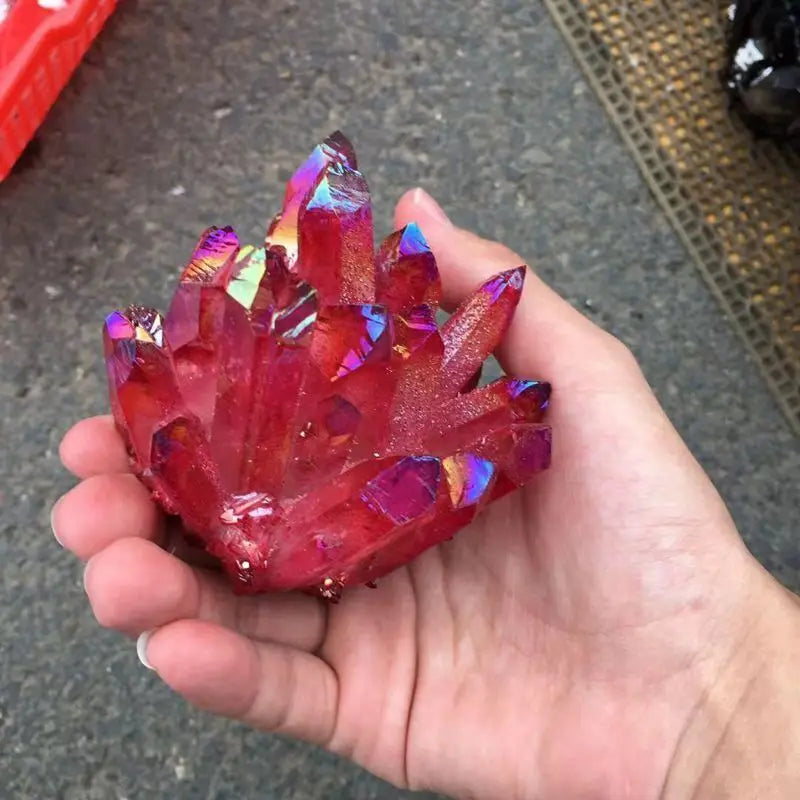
point(553, 649)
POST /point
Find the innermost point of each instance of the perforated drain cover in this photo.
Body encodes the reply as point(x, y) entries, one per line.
point(735, 202)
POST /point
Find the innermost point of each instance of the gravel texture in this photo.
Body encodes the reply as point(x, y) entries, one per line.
point(187, 114)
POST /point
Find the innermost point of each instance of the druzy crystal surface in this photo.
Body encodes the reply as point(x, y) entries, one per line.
point(300, 408)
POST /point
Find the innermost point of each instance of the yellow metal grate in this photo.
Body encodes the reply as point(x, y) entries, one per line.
point(735, 202)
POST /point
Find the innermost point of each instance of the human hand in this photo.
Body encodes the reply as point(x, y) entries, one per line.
point(568, 644)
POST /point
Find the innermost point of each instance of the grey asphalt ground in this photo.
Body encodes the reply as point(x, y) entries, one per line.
point(186, 114)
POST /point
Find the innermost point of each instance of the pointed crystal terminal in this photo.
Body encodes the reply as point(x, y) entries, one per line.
point(141, 380)
point(247, 276)
point(468, 477)
point(502, 403)
point(335, 238)
point(405, 491)
point(347, 337)
point(301, 409)
point(406, 272)
point(283, 233)
point(214, 252)
point(477, 326)
point(414, 328)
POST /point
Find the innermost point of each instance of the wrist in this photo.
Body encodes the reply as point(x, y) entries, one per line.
point(743, 735)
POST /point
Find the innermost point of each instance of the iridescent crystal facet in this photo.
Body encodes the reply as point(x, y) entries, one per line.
point(299, 406)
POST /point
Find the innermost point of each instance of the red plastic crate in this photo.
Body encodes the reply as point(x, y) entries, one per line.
point(41, 43)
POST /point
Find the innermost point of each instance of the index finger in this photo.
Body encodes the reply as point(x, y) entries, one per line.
point(94, 446)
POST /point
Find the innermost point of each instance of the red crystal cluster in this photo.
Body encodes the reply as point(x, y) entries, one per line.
point(298, 405)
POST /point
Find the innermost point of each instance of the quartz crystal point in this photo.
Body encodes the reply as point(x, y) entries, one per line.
point(300, 408)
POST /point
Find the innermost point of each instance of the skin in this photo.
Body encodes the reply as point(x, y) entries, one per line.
point(603, 633)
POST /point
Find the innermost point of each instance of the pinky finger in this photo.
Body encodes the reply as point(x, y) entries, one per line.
point(269, 686)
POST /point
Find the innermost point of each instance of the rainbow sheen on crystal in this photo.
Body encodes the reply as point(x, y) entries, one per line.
point(300, 408)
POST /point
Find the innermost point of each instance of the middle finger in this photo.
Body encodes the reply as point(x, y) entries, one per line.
point(102, 509)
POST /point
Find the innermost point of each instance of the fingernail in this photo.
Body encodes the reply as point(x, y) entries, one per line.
point(141, 649)
point(429, 206)
point(52, 522)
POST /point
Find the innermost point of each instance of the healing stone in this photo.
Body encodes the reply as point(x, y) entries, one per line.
point(301, 409)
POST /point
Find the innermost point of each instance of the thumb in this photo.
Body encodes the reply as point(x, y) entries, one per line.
point(548, 338)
